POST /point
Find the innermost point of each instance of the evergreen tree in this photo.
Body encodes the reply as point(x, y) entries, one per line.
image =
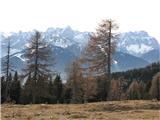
point(58, 88)
point(144, 74)
point(26, 94)
point(15, 89)
point(148, 86)
point(67, 93)
point(52, 98)
point(42, 91)
point(3, 87)
point(8, 87)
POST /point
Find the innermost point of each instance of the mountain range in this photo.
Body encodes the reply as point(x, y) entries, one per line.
point(134, 49)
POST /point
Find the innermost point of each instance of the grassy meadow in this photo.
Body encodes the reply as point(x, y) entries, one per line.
point(110, 110)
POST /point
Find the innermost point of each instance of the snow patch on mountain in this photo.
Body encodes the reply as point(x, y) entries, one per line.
point(142, 48)
point(19, 55)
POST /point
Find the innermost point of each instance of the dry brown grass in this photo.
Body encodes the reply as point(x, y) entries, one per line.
point(115, 110)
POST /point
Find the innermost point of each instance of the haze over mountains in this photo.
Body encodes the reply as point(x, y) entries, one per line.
point(134, 49)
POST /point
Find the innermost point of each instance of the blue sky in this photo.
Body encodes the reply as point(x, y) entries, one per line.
point(83, 15)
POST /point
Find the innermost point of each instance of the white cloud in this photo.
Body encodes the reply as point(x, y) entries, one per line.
point(80, 14)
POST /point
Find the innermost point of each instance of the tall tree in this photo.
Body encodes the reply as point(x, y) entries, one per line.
point(7, 70)
point(39, 62)
point(97, 57)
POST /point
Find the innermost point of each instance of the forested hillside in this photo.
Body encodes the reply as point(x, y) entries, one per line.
point(142, 74)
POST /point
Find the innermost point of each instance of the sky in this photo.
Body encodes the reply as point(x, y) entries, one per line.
point(82, 15)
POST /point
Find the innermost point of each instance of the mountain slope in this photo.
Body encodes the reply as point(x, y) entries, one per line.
point(124, 61)
point(152, 56)
point(136, 43)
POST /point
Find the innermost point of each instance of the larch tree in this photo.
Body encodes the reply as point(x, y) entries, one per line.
point(97, 56)
point(39, 61)
point(115, 90)
point(155, 87)
point(75, 81)
point(142, 91)
point(90, 89)
point(133, 91)
point(101, 88)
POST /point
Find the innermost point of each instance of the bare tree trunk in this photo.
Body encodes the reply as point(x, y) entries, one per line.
point(7, 96)
point(109, 57)
point(36, 68)
point(109, 52)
